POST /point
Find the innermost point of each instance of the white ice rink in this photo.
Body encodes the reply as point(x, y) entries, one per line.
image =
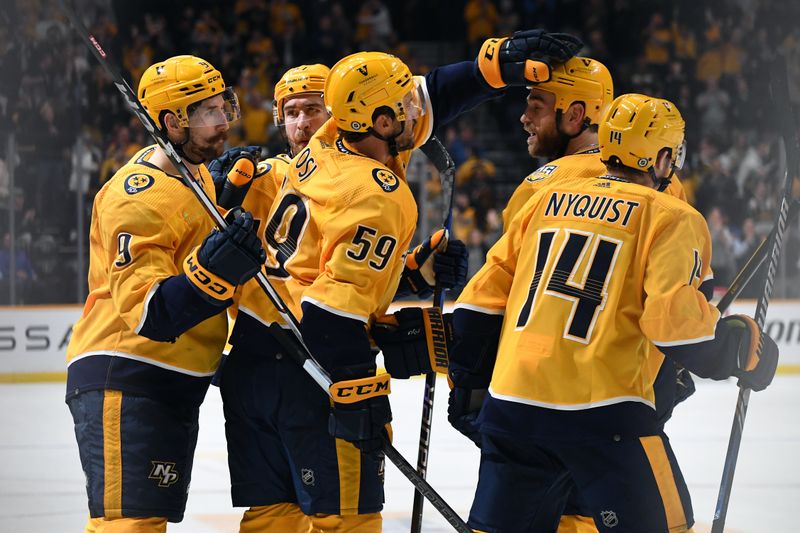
point(42, 486)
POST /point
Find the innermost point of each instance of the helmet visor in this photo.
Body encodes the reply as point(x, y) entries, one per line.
point(413, 105)
point(301, 108)
point(215, 110)
point(680, 155)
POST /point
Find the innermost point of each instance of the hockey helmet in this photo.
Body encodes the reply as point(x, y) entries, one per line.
point(363, 82)
point(298, 80)
point(637, 128)
point(581, 79)
point(175, 84)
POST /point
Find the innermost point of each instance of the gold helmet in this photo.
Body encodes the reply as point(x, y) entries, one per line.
point(363, 82)
point(637, 128)
point(581, 79)
point(178, 82)
point(298, 80)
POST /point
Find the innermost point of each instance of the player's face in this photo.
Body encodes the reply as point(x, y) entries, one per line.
point(539, 120)
point(303, 115)
point(405, 141)
point(207, 142)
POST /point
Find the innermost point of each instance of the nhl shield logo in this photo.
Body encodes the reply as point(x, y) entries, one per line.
point(138, 182)
point(307, 475)
point(609, 518)
point(385, 179)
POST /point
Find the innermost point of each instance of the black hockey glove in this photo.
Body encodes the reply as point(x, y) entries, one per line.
point(755, 370)
point(233, 174)
point(463, 408)
point(472, 357)
point(684, 385)
point(226, 258)
point(448, 267)
point(361, 413)
point(524, 58)
point(414, 341)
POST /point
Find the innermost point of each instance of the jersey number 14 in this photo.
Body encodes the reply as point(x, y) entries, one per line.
point(588, 297)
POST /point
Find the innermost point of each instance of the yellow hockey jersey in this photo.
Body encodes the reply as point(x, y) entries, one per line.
point(144, 224)
point(337, 231)
point(589, 272)
point(584, 164)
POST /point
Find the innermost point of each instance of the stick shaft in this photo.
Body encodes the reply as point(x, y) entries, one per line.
point(444, 164)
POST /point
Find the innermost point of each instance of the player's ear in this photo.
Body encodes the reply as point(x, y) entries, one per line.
point(574, 117)
point(382, 124)
point(171, 124)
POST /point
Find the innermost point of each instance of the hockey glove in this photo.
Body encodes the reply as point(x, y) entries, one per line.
point(233, 174)
point(361, 412)
point(524, 58)
point(463, 408)
point(684, 385)
point(755, 370)
point(226, 259)
point(472, 357)
point(448, 267)
point(414, 341)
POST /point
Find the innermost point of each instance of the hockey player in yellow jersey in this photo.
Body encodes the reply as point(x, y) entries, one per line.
point(336, 236)
point(588, 273)
point(143, 352)
point(561, 118)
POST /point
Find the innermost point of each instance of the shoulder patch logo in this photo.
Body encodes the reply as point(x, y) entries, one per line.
point(388, 181)
point(541, 173)
point(138, 182)
point(262, 168)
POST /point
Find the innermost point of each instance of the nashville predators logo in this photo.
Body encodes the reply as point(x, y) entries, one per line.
point(164, 473)
point(138, 182)
point(385, 179)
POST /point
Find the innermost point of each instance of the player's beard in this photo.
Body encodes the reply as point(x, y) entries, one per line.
point(205, 149)
point(548, 143)
point(405, 141)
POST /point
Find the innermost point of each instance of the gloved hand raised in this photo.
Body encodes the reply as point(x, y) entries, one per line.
point(437, 259)
point(524, 58)
point(233, 174)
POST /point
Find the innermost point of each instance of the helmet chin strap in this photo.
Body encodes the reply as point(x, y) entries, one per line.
point(179, 148)
point(565, 137)
point(392, 140)
point(661, 183)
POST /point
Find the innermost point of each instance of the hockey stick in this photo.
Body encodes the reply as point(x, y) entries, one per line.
point(438, 155)
point(780, 98)
point(753, 265)
point(300, 352)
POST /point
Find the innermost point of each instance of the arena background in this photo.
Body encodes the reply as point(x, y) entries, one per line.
point(64, 131)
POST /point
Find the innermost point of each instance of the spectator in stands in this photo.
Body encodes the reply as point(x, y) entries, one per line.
point(712, 105)
point(723, 260)
point(22, 270)
point(481, 19)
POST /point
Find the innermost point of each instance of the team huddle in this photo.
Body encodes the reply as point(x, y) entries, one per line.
point(565, 353)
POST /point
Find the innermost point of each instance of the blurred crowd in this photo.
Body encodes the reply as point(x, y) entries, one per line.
point(71, 130)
